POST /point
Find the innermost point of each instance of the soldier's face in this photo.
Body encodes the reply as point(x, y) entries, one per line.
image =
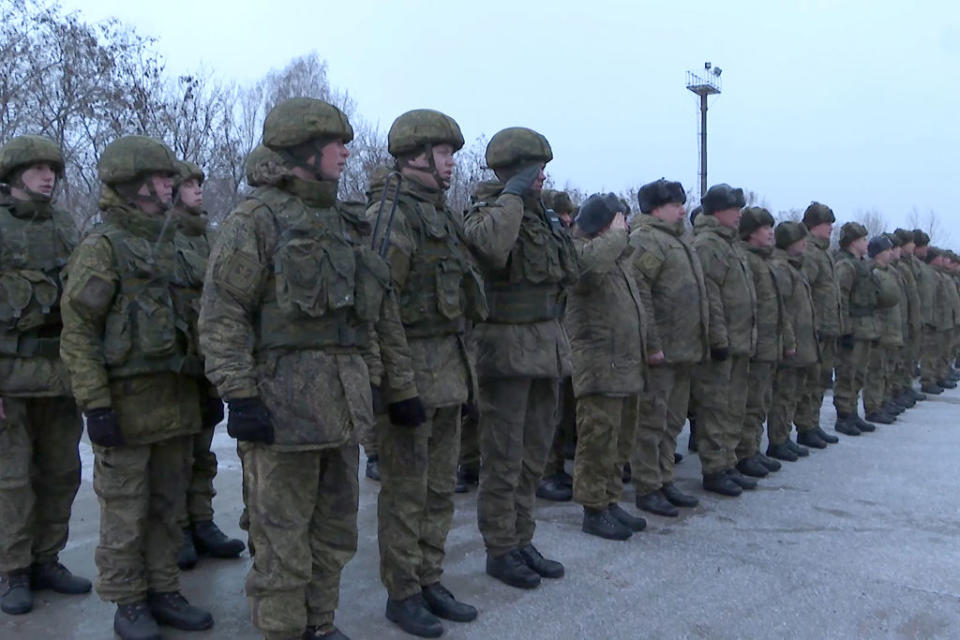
point(190, 194)
point(537, 185)
point(908, 249)
point(332, 159)
point(444, 162)
point(39, 178)
point(884, 257)
point(729, 218)
point(671, 213)
point(162, 187)
point(822, 230)
point(797, 248)
point(762, 237)
point(859, 246)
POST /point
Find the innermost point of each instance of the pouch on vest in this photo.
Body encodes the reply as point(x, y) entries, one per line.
point(372, 282)
point(314, 277)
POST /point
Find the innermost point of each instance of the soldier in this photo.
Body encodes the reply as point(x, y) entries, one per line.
point(890, 332)
point(948, 311)
point(439, 291)
point(913, 334)
point(670, 282)
point(927, 286)
point(720, 396)
point(894, 402)
point(295, 311)
point(40, 426)
point(606, 325)
point(192, 241)
point(522, 350)
point(800, 343)
point(858, 300)
point(126, 344)
point(820, 269)
point(756, 235)
point(369, 443)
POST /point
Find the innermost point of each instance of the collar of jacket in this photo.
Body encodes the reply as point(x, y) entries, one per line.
point(27, 209)
point(820, 243)
point(139, 223)
point(192, 224)
point(318, 194)
point(411, 187)
point(763, 252)
point(676, 229)
point(708, 224)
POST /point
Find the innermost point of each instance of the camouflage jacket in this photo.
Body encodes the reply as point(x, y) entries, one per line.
point(913, 322)
point(858, 296)
point(799, 310)
point(821, 272)
point(771, 323)
point(889, 315)
point(670, 280)
point(947, 302)
point(927, 286)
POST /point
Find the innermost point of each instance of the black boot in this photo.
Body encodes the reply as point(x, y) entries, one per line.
point(781, 452)
point(626, 474)
point(443, 604)
point(411, 615)
point(880, 417)
point(466, 478)
point(919, 397)
point(373, 468)
point(742, 480)
point(752, 467)
point(135, 622)
point(811, 439)
point(601, 523)
point(187, 555)
point(947, 384)
point(771, 464)
point(315, 633)
point(17, 598)
point(655, 502)
point(891, 408)
point(550, 488)
point(56, 577)
point(905, 397)
point(863, 425)
point(511, 569)
point(172, 609)
point(847, 425)
point(826, 437)
point(931, 388)
point(676, 497)
point(721, 483)
point(210, 541)
point(543, 566)
point(630, 521)
point(801, 452)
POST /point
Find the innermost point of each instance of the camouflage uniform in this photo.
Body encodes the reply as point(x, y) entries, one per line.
point(721, 404)
point(39, 461)
point(126, 345)
point(890, 338)
point(858, 300)
point(522, 349)
point(671, 286)
point(912, 326)
point(296, 311)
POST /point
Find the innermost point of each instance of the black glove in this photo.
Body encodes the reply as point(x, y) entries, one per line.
point(719, 354)
point(407, 413)
point(847, 342)
point(212, 412)
point(103, 428)
point(521, 182)
point(377, 399)
point(249, 420)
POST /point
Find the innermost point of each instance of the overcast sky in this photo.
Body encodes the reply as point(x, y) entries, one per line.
point(853, 103)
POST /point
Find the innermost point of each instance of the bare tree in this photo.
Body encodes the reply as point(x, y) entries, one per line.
point(930, 223)
point(873, 220)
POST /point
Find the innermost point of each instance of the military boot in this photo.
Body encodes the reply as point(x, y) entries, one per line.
point(317, 633)
point(919, 397)
point(443, 604)
point(601, 523)
point(135, 622)
point(655, 502)
point(676, 497)
point(947, 383)
point(187, 554)
point(863, 425)
point(172, 609)
point(880, 417)
point(17, 598)
point(954, 375)
point(411, 615)
point(931, 388)
point(721, 483)
point(553, 489)
point(373, 468)
point(781, 451)
point(56, 577)
point(771, 464)
point(742, 480)
point(892, 408)
point(630, 521)
point(211, 541)
point(811, 439)
point(752, 467)
point(626, 474)
point(466, 478)
point(801, 452)
point(826, 437)
point(511, 569)
point(905, 398)
point(846, 424)
point(535, 560)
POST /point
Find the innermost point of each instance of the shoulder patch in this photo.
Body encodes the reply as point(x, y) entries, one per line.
point(95, 295)
point(239, 273)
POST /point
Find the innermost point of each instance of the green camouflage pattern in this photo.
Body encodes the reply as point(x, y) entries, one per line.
point(298, 120)
point(889, 315)
point(606, 439)
point(26, 151)
point(661, 416)
point(198, 506)
point(132, 157)
point(821, 272)
point(516, 146)
point(858, 296)
point(851, 371)
point(720, 404)
point(770, 316)
point(787, 390)
point(759, 399)
point(411, 131)
point(800, 333)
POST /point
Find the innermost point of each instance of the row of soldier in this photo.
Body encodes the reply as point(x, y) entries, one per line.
point(318, 321)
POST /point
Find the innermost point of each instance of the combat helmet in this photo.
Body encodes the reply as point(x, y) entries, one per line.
point(130, 158)
point(297, 121)
point(25, 151)
point(516, 146)
point(413, 130)
point(187, 170)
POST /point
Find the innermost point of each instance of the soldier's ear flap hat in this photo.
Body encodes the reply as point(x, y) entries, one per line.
point(816, 214)
point(660, 192)
point(596, 212)
point(878, 244)
point(721, 197)
point(752, 218)
point(851, 231)
point(788, 232)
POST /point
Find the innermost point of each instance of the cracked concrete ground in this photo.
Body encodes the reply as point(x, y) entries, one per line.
point(861, 540)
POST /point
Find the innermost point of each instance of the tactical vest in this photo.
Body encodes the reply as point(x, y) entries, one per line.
point(192, 248)
point(531, 288)
point(33, 251)
point(326, 285)
point(443, 288)
point(144, 331)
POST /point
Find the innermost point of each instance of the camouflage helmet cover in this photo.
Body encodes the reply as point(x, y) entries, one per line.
point(263, 166)
point(515, 146)
point(187, 170)
point(298, 120)
point(414, 129)
point(24, 151)
point(131, 157)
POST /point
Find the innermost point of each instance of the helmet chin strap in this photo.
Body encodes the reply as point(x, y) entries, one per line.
point(131, 193)
point(298, 157)
point(442, 183)
point(35, 196)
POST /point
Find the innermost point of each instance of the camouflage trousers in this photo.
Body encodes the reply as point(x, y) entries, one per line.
point(933, 359)
point(720, 401)
point(661, 416)
point(303, 524)
point(877, 382)
point(910, 357)
point(759, 398)
point(517, 419)
point(788, 394)
point(821, 375)
point(370, 443)
point(606, 428)
point(469, 444)
point(850, 373)
point(141, 490)
point(39, 478)
point(418, 470)
point(200, 491)
point(566, 430)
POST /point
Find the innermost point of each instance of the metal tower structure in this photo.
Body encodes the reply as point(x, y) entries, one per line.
point(704, 84)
